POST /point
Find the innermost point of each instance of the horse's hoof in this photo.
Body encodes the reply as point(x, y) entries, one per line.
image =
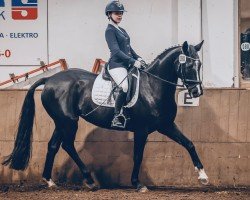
point(91, 186)
point(204, 181)
point(203, 178)
point(142, 189)
point(50, 183)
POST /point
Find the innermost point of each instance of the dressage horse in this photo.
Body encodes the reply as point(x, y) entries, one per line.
point(67, 96)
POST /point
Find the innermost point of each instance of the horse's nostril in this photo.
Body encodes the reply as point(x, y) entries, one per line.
point(195, 92)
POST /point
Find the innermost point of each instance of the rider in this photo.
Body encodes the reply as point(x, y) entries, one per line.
point(122, 55)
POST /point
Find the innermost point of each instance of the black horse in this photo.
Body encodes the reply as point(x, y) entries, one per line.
point(67, 96)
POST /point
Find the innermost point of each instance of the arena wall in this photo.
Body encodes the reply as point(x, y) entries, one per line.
point(219, 128)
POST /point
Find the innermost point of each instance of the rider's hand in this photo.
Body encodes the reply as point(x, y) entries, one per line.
point(143, 63)
point(138, 64)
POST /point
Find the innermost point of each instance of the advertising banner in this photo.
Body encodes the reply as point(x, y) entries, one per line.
point(23, 32)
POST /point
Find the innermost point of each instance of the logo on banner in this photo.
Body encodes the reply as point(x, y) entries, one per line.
point(24, 9)
point(2, 4)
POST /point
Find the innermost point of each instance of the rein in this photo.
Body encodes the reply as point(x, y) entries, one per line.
point(163, 80)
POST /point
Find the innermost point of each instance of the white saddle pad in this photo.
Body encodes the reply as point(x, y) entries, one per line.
point(102, 88)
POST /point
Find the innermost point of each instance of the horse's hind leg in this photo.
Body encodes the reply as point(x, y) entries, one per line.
point(175, 134)
point(53, 147)
point(69, 132)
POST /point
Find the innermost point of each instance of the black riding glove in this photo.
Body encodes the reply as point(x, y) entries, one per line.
point(143, 63)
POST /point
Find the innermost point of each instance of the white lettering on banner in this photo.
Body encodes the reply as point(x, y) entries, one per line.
point(23, 35)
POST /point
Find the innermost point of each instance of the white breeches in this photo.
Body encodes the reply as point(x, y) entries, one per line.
point(118, 74)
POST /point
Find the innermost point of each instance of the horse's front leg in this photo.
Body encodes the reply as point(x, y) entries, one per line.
point(175, 134)
point(140, 138)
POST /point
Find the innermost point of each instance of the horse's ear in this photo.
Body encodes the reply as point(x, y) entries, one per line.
point(185, 48)
point(198, 46)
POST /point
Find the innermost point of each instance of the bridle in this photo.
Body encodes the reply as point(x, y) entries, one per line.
point(180, 69)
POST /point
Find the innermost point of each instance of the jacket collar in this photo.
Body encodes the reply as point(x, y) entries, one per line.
point(116, 26)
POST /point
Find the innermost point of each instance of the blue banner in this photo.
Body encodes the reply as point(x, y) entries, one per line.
point(2, 4)
point(20, 3)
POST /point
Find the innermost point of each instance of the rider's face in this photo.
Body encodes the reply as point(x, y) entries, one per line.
point(117, 16)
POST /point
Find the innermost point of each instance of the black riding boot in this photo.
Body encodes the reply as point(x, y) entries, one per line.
point(119, 102)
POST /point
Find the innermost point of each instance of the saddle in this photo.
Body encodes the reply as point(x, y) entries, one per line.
point(131, 82)
point(105, 90)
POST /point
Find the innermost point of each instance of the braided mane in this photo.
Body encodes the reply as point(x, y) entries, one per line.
point(161, 55)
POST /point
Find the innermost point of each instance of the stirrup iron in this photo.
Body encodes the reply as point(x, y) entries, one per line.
point(122, 118)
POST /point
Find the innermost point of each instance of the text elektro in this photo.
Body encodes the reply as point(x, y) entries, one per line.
point(23, 35)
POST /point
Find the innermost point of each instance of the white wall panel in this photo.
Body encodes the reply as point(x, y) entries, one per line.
point(189, 21)
point(76, 31)
point(150, 25)
point(219, 49)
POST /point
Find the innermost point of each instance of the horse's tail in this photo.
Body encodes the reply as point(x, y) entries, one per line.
point(19, 158)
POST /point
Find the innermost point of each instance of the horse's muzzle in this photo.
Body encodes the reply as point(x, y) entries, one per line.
point(195, 91)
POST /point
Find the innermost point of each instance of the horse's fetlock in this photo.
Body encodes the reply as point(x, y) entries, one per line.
point(134, 182)
point(88, 178)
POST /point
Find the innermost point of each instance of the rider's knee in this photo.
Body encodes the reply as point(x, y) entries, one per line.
point(125, 86)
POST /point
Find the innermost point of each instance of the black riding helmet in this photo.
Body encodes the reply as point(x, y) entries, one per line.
point(114, 6)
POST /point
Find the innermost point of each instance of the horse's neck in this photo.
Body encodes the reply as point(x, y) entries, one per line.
point(164, 67)
point(162, 92)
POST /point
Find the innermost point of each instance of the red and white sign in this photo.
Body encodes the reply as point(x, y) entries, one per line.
point(23, 32)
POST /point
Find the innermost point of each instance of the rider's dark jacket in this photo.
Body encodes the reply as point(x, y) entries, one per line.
point(122, 54)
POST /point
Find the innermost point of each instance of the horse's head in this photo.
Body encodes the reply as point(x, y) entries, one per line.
point(188, 67)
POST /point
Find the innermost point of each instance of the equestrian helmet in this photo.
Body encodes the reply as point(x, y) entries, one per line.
point(114, 6)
